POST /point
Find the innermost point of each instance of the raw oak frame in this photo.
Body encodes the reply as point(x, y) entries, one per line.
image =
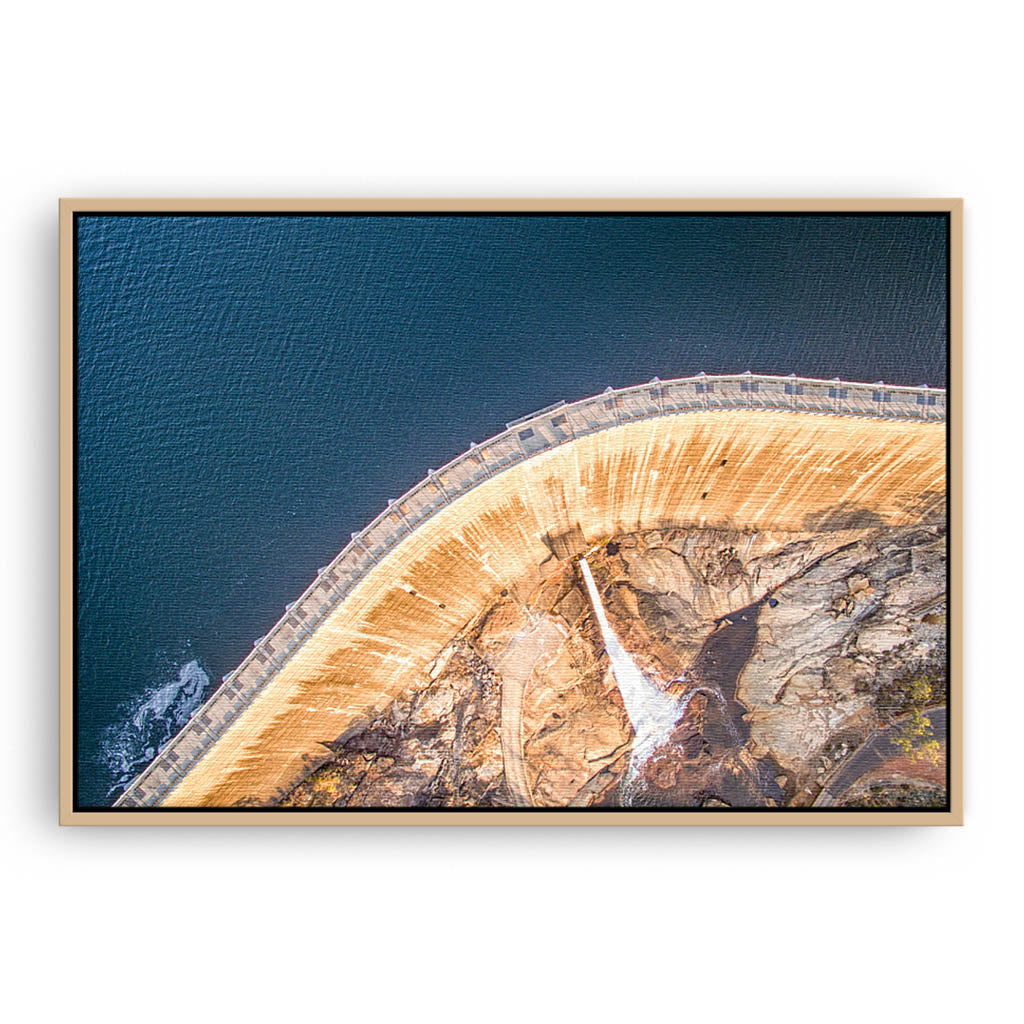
point(157, 816)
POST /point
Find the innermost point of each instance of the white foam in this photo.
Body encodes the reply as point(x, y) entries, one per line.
point(152, 719)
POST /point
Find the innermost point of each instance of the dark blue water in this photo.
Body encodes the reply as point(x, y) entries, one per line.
point(252, 390)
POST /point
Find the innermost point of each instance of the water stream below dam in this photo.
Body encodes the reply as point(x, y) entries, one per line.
point(652, 712)
point(656, 715)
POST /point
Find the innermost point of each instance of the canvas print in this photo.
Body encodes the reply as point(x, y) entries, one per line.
point(511, 511)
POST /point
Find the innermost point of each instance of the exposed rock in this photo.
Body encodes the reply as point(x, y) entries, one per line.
point(438, 665)
point(572, 606)
point(846, 676)
point(795, 734)
point(804, 684)
point(499, 625)
point(433, 704)
point(662, 572)
point(780, 642)
point(882, 638)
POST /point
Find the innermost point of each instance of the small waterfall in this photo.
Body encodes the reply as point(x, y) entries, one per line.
point(652, 712)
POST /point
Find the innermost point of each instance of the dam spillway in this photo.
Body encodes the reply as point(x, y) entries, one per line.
point(745, 451)
point(652, 712)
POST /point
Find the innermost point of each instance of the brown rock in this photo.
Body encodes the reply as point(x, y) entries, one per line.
point(883, 637)
point(662, 773)
point(846, 676)
point(806, 686)
point(499, 625)
point(659, 571)
point(433, 704)
point(572, 606)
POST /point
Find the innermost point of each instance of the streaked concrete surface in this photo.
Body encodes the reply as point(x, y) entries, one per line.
point(725, 468)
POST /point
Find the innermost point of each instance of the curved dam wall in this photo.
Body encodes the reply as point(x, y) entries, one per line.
point(739, 452)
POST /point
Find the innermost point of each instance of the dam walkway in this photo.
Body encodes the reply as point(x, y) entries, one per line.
point(532, 435)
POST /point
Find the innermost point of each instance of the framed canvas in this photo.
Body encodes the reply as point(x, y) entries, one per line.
point(511, 511)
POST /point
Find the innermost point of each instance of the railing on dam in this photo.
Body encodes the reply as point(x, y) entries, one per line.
point(520, 440)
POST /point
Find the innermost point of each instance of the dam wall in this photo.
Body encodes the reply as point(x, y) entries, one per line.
point(737, 451)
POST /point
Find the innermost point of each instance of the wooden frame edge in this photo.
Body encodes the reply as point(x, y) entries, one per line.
point(69, 206)
point(955, 599)
point(595, 819)
point(441, 204)
point(66, 490)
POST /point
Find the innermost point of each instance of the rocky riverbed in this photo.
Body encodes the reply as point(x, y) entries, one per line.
point(787, 651)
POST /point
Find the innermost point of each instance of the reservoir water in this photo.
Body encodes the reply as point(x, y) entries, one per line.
point(251, 390)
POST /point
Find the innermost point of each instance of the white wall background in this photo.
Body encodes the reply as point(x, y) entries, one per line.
point(529, 98)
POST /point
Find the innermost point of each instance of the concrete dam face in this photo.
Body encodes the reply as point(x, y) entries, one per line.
point(751, 455)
